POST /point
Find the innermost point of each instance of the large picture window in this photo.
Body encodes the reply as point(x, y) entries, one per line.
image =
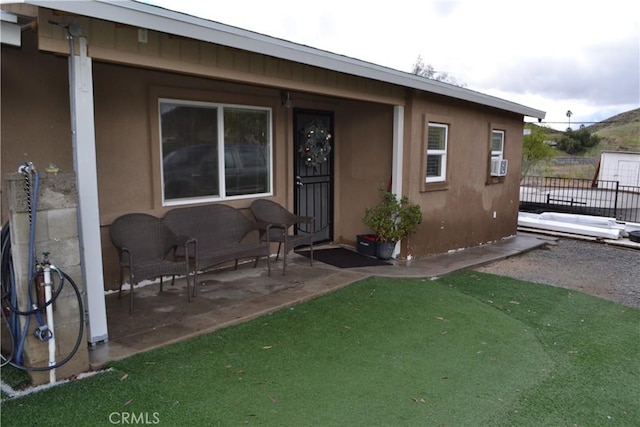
point(213, 151)
point(436, 164)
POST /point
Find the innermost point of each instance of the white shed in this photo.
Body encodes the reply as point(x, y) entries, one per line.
point(620, 166)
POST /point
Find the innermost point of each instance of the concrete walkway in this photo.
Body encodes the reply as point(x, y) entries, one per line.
point(227, 297)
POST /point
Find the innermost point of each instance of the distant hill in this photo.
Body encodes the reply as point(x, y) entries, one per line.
point(548, 130)
point(630, 116)
point(620, 132)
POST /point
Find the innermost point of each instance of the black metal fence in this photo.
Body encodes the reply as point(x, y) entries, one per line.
point(580, 196)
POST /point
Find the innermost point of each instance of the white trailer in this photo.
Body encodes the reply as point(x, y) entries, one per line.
point(620, 166)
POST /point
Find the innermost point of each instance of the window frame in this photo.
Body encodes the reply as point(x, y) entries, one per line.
point(499, 154)
point(495, 154)
point(219, 108)
point(442, 153)
point(441, 182)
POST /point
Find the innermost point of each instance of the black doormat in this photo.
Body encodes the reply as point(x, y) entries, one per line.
point(342, 258)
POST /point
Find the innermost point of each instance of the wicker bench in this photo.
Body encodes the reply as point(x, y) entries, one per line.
point(222, 234)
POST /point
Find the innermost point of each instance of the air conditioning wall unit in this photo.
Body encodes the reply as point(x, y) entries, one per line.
point(499, 167)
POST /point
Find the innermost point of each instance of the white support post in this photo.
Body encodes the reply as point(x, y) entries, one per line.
point(396, 170)
point(84, 157)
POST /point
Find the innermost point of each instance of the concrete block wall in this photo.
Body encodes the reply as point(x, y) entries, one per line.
point(56, 233)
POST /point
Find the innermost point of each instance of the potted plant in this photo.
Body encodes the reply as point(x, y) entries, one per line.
point(392, 220)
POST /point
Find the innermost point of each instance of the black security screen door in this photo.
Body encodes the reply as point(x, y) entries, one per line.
point(313, 166)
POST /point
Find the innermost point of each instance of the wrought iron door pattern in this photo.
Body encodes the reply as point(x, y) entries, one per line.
point(313, 186)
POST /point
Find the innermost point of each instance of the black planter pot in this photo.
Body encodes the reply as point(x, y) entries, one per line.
point(366, 244)
point(384, 250)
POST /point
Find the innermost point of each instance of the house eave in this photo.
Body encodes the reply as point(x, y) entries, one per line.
point(163, 20)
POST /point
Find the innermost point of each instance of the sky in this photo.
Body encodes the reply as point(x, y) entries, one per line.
point(551, 55)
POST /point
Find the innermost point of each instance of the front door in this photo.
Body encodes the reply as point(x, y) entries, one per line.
point(313, 167)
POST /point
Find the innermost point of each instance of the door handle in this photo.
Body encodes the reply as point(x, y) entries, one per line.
point(299, 181)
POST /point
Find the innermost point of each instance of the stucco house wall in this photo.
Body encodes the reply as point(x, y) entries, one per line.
point(34, 117)
point(127, 148)
point(470, 208)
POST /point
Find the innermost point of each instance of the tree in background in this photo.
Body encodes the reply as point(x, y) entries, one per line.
point(427, 71)
point(534, 148)
point(576, 142)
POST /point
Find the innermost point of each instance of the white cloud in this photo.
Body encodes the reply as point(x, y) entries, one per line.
point(551, 55)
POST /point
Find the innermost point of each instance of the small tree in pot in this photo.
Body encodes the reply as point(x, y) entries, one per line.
point(391, 220)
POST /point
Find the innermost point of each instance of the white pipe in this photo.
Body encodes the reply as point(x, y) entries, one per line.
point(593, 221)
point(52, 341)
point(533, 221)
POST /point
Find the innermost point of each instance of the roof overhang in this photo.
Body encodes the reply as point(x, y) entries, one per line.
point(9, 29)
point(155, 18)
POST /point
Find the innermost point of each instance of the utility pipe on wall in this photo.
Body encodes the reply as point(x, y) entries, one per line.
point(48, 284)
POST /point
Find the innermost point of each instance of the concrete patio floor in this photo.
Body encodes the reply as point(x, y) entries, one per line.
point(227, 297)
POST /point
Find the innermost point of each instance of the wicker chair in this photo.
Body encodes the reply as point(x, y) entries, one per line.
point(144, 243)
point(281, 221)
point(222, 233)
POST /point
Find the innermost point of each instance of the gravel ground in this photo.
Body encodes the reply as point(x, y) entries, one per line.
point(594, 268)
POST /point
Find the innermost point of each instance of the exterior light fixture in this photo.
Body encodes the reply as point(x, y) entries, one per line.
point(285, 97)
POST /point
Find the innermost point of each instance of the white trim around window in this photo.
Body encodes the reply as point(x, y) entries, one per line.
point(436, 152)
point(213, 151)
point(497, 144)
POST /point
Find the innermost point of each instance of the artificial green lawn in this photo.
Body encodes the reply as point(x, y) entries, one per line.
point(469, 349)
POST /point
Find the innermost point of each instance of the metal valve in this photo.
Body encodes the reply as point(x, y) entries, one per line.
point(43, 333)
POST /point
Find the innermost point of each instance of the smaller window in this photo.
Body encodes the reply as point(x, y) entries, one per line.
point(436, 164)
point(497, 144)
